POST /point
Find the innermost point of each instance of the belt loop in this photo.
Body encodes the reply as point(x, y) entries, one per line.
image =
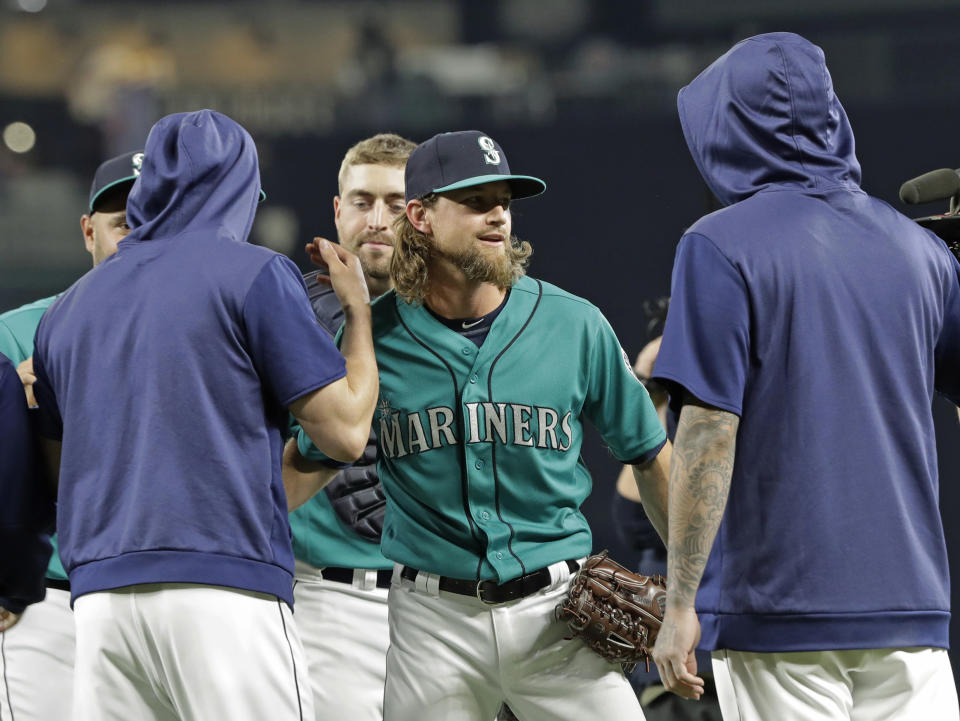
point(427, 583)
point(559, 574)
point(307, 571)
point(364, 579)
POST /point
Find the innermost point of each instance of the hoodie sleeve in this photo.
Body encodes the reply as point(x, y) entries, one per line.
point(706, 340)
point(26, 510)
point(293, 354)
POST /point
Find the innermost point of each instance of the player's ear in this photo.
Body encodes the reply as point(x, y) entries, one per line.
point(86, 226)
point(337, 207)
point(417, 215)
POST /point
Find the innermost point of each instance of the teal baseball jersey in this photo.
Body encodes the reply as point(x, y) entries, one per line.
point(321, 539)
point(17, 328)
point(479, 447)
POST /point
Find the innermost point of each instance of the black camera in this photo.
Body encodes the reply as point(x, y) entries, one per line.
point(942, 184)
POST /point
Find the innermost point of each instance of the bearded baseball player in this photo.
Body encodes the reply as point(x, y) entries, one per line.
point(38, 653)
point(165, 378)
point(341, 580)
point(809, 327)
point(486, 379)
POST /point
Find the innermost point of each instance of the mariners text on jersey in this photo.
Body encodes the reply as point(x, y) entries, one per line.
point(515, 424)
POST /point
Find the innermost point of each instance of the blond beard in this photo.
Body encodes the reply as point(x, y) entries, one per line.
point(481, 267)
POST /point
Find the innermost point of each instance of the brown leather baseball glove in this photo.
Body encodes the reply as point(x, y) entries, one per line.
point(616, 612)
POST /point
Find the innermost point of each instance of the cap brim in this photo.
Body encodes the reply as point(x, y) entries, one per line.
point(522, 186)
point(108, 187)
point(130, 179)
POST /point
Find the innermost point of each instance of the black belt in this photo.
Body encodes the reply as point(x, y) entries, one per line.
point(58, 584)
point(491, 591)
point(345, 575)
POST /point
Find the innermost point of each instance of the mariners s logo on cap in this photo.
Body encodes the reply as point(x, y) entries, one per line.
point(449, 161)
point(115, 174)
point(491, 155)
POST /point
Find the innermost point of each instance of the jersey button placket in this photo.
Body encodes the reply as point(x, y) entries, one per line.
point(481, 491)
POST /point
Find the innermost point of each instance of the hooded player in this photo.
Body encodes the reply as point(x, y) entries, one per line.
point(809, 326)
point(164, 380)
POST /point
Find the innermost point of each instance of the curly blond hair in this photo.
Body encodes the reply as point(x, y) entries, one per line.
point(412, 251)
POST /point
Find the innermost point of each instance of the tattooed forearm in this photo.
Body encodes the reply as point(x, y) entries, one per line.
point(700, 473)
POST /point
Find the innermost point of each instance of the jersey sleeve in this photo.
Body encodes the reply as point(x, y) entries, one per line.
point(26, 511)
point(617, 403)
point(292, 353)
point(9, 346)
point(947, 351)
point(706, 339)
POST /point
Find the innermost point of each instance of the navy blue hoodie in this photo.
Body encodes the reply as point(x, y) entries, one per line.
point(825, 320)
point(168, 369)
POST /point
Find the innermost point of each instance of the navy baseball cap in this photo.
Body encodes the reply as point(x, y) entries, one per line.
point(449, 161)
point(117, 172)
point(121, 171)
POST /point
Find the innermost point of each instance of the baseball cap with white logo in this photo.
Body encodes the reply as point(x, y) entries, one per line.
point(118, 172)
point(449, 161)
point(121, 172)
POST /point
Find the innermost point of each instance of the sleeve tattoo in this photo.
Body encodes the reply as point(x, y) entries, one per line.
point(699, 486)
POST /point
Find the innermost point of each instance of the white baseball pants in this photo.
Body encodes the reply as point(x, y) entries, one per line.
point(345, 636)
point(36, 662)
point(181, 652)
point(910, 684)
point(455, 658)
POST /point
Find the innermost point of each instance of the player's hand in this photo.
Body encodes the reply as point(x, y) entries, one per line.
point(674, 653)
point(313, 250)
point(345, 274)
point(8, 619)
point(28, 378)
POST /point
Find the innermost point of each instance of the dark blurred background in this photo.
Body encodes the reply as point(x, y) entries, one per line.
point(579, 92)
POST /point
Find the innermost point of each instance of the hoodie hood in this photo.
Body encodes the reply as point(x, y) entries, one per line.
point(764, 114)
point(200, 171)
